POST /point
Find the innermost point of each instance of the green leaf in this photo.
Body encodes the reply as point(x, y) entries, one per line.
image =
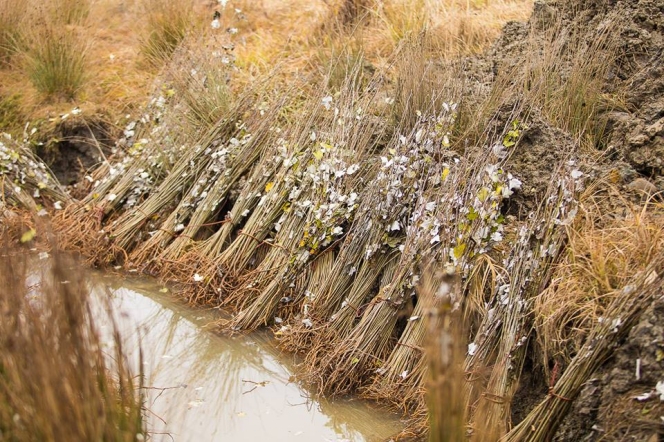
point(508, 142)
point(458, 250)
point(472, 214)
point(445, 174)
point(318, 155)
point(483, 194)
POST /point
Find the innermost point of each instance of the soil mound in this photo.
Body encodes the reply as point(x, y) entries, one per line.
point(619, 402)
point(627, 39)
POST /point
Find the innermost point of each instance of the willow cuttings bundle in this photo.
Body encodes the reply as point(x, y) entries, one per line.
point(187, 184)
point(225, 181)
point(399, 188)
point(24, 178)
point(464, 213)
point(625, 310)
point(321, 203)
point(502, 338)
point(204, 258)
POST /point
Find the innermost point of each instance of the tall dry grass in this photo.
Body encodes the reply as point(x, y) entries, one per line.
point(602, 256)
point(57, 381)
point(566, 80)
point(165, 25)
point(12, 13)
point(55, 61)
point(444, 354)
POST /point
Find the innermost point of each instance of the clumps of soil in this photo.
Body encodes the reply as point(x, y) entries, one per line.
point(629, 152)
point(630, 104)
point(637, 134)
point(540, 144)
point(75, 146)
point(636, 124)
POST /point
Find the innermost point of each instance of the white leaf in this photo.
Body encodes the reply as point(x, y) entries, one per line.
point(576, 174)
point(643, 397)
point(472, 348)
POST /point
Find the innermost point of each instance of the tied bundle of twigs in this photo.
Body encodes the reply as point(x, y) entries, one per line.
point(321, 205)
point(623, 313)
point(183, 186)
point(506, 327)
point(23, 177)
point(401, 185)
point(474, 188)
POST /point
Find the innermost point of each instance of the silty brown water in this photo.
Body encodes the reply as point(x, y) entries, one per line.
point(203, 387)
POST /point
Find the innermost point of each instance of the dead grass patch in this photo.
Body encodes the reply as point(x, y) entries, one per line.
point(603, 254)
point(56, 380)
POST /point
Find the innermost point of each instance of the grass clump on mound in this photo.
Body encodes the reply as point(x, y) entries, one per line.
point(53, 48)
point(56, 61)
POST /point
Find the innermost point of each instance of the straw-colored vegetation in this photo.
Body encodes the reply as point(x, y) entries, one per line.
point(57, 380)
point(407, 215)
point(166, 25)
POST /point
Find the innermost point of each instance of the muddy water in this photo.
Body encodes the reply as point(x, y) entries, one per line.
point(203, 387)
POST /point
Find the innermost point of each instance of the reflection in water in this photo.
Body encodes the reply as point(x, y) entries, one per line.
point(209, 388)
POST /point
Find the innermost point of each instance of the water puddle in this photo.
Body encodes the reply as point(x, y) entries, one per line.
point(204, 387)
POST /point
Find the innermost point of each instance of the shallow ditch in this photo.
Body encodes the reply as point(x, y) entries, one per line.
point(204, 387)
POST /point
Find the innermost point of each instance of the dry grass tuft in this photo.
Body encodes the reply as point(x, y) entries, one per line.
point(55, 61)
point(56, 380)
point(602, 255)
point(167, 22)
